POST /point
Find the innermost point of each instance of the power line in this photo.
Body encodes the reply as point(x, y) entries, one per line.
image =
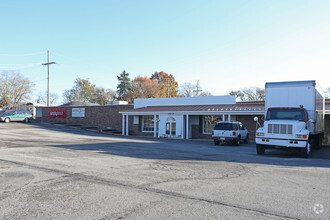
point(20, 55)
point(22, 64)
point(17, 66)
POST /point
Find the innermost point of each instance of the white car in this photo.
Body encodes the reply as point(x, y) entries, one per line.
point(230, 132)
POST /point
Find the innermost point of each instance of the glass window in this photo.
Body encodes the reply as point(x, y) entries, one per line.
point(170, 119)
point(286, 114)
point(224, 126)
point(240, 126)
point(210, 121)
point(147, 123)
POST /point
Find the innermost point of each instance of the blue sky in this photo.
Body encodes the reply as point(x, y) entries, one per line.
point(226, 45)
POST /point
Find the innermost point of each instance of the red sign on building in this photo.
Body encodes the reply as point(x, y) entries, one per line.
point(57, 113)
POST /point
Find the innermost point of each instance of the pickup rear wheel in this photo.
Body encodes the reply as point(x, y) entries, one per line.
point(247, 139)
point(238, 141)
point(7, 120)
point(260, 149)
point(216, 142)
point(26, 120)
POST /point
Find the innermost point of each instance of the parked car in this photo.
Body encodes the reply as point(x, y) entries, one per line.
point(230, 132)
point(16, 116)
point(4, 111)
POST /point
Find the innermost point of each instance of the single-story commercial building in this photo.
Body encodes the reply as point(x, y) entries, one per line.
point(188, 117)
point(194, 117)
point(96, 116)
point(182, 117)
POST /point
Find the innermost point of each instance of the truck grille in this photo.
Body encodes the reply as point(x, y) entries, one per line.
point(279, 129)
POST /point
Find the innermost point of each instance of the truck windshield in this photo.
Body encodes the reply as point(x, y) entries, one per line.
point(286, 114)
point(223, 126)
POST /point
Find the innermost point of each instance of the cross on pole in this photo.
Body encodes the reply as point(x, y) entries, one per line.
point(197, 88)
point(48, 84)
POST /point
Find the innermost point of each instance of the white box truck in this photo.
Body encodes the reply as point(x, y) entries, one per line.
point(294, 117)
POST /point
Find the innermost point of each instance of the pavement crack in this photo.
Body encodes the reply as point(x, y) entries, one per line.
point(99, 180)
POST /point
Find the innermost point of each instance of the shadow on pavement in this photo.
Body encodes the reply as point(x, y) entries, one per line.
point(167, 149)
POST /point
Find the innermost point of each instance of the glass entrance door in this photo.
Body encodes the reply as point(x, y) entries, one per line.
point(170, 126)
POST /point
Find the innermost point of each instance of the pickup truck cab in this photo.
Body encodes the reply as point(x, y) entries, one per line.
point(230, 132)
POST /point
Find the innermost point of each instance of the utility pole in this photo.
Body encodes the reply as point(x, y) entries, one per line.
point(197, 88)
point(48, 84)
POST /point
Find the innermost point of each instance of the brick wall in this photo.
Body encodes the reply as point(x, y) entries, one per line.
point(95, 116)
point(247, 121)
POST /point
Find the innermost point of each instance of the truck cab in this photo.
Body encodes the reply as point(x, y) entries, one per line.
point(284, 127)
point(294, 118)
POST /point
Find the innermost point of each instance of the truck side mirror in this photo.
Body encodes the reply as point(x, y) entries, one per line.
point(311, 121)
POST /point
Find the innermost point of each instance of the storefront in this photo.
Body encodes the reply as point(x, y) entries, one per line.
point(189, 117)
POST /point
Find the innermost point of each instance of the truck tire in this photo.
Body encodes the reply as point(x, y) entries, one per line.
point(247, 139)
point(238, 141)
point(260, 149)
point(26, 120)
point(7, 120)
point(304, 152)
point(216, 142)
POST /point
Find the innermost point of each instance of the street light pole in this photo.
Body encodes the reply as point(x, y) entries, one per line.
point(48, 82)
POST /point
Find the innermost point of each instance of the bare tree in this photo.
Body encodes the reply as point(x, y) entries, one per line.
point(14, 88)
point(42, 98)
point(187, 90)
point(249, 94)
point(205, 93)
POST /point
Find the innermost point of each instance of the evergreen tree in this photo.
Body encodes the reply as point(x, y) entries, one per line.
point(124, 87)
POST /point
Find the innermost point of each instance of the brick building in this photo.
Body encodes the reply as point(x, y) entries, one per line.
point(183, 118)
point(99, 116)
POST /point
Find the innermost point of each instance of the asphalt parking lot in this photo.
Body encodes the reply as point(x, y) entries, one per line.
point(57, 172)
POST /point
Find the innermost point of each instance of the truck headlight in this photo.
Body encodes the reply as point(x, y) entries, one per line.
point(260, 134)
point(303, 136)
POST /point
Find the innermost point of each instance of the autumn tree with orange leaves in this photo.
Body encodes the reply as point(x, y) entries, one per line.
point(159, 85)
point(143, 87)
point(167, 86)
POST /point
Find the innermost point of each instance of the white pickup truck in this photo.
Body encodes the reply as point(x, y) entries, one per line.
point(229, 132)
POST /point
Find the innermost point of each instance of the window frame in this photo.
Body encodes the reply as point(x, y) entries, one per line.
point(215, 121)
point(151, 122)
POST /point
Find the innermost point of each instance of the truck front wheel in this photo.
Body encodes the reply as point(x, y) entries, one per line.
point(216, 142)
point(260, 149)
